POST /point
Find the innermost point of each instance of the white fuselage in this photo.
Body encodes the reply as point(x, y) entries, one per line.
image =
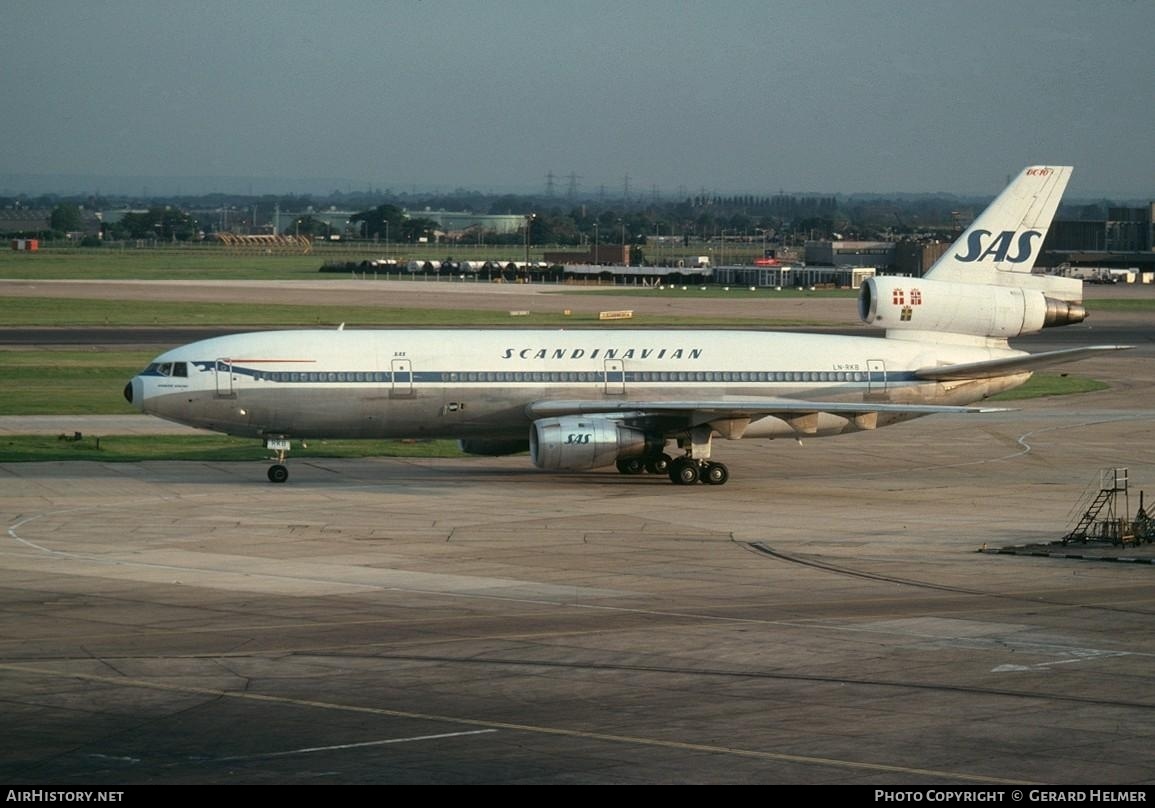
point(465, 384)
point(585, 399)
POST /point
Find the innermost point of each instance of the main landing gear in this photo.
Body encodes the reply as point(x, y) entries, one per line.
point(278, 472)
point(694, 467)
point(683, 471)
point(688, 471)
point(654, 464)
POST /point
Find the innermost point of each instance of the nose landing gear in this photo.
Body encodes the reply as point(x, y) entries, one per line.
point(279, 472)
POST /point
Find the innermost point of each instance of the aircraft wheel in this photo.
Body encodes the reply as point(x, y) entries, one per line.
point(659, 464)
point(716, 474)
point(278, 473)
point(630, 465)
point(684, 471)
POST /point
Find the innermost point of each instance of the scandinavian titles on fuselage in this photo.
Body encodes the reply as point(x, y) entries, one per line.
point(601, 353)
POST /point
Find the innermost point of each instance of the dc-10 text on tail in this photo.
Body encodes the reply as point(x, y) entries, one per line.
point(583, 399)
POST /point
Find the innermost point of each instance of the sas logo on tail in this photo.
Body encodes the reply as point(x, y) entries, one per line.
point(999, 246)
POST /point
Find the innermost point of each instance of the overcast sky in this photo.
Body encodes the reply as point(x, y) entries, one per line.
point(732, 96)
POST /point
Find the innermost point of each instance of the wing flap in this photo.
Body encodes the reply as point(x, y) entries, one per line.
point(703, 412)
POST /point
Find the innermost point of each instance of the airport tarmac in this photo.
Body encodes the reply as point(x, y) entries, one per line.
point(825, 617)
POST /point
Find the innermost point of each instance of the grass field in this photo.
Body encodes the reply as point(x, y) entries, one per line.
point(720, 292)
point(63, 312)
point(89, 382)
point(130, 264)
point(48, 312)
point(49, 382)
point(1051, 384)
point(213, 261)
point(1121, 304)
point(70, 382)
point(136, 448)
point(73, 382)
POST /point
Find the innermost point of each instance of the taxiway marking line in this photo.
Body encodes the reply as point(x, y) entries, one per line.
point(338, 747)
point(685, 746)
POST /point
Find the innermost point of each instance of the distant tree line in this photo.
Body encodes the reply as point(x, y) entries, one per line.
point(771, 219)
point(160, 223)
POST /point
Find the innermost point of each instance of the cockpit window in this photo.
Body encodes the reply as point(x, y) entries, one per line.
point(178, 369)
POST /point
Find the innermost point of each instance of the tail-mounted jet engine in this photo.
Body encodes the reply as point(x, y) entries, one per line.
point(919, 304)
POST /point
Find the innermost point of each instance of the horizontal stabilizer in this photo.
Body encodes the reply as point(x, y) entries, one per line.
point(1002, 367)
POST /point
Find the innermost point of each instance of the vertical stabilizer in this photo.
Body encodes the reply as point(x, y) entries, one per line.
point(1002, 244)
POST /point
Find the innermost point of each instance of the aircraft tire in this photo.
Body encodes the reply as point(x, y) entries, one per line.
point(278, 473)
point(715, 474)
point(630, 465)
point(684, 471)
point(659, 464)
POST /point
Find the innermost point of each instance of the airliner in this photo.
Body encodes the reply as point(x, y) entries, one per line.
point(584, 399)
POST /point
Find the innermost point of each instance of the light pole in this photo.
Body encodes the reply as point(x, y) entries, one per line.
point(596, 243)
point(528, 222)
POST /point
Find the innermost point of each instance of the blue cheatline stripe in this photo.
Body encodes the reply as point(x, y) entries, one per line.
point(564, 377)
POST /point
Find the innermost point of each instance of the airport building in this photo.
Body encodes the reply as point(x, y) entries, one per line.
point(850, 253)
point(907, 257)
point(1125, 239)
point(458, 221)
point(25, 220)
point(793, 276)
point(913, 258)
point(449, 222)
point(603, 254)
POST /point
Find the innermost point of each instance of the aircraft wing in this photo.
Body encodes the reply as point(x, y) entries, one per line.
point(731, 417)
point(1002, 367)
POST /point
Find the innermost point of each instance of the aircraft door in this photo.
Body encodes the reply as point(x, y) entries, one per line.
point(615, 377)
point(225, 379)
point(876, 375)
point(402, 385)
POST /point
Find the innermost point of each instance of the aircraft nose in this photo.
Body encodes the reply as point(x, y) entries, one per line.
point(133, 393)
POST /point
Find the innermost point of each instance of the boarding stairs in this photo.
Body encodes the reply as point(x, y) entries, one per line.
point(1093, 525)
